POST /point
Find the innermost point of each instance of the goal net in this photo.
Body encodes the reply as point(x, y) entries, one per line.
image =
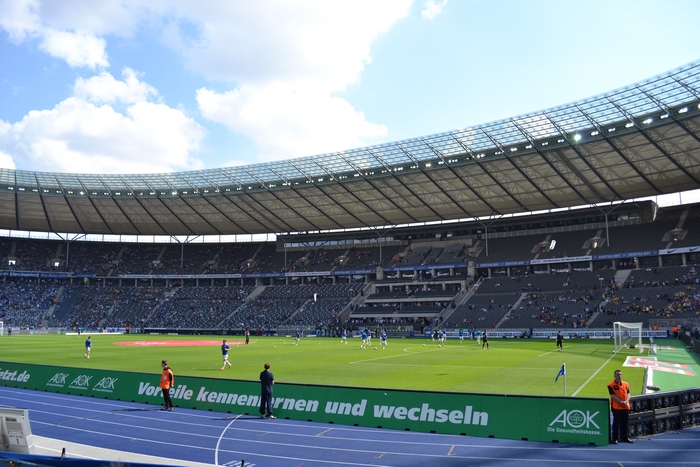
point(627, 336)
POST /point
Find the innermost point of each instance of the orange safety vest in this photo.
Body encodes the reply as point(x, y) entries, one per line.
point(167, 381)
point(622, 391)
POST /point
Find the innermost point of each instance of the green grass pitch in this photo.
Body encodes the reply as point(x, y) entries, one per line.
point(509, 367)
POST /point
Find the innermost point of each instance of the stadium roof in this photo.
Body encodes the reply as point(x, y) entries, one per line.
point(640, 140)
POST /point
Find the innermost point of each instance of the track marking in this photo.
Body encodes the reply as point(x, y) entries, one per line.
point(450, 451)
point(593, 375)
point(218, 441)
point(324, 432)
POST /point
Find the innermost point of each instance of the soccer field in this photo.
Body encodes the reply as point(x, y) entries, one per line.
point(509, 367)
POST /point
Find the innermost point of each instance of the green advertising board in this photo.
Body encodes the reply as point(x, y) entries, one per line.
point(557, 419)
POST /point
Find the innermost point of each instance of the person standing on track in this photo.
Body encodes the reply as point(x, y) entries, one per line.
point(620, 407)
point(267, 380)
point(224, 353)
point(167, 381)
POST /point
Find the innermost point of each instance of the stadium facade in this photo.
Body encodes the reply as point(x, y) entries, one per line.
point(637, 141)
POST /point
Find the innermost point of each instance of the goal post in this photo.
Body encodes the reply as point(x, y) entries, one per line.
point(627, 335)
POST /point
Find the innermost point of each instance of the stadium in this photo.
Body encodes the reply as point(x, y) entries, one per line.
point(523, 227)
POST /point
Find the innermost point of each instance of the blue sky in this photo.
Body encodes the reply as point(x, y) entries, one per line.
point(171, 85)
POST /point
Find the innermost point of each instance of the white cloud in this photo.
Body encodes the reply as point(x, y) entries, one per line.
point(285, 63)
point(80, 137)
point(19, 19)
point(271, 40)
point(431, 10)
point(289, 63)
point(78, 49)
point(23, 20)
point(285, 122)
point(6, 161)
point(103, 88)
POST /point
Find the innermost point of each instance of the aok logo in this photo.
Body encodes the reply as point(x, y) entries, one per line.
point(59, 379)
point(576, 419)
point(105, 384)
point(81, 382)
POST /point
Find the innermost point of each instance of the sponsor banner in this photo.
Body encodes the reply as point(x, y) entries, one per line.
point(307, 274)
point(631, 254)
point(180, 276)
point(568, 259)
point(676, 251)
point(504, 264)
point(427, 268)
point(39, 275)
point(565, 420)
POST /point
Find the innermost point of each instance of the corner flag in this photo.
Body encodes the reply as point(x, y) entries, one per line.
point(562, 372)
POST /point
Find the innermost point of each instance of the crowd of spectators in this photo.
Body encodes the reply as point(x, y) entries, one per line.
point(25, 303)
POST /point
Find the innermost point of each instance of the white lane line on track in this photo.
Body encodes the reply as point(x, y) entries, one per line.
point(218, 441)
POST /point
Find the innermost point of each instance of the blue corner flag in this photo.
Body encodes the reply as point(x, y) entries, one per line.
point(562, 372)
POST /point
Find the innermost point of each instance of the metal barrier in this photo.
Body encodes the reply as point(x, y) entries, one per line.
point(661, 412)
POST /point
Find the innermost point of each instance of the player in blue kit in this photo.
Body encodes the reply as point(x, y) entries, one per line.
point(224, 353)
point(297, 338)
point(382, 338)
point(442, 335)
point(88, 347)
point(461, 336)
point(344, 337)
point(363, 336)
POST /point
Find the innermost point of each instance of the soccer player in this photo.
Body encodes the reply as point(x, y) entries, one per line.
point(224, 353)
point(560, 341)
point(382, 339)
point(485, 341)
point(88, 346)
point(297, 338)
point(369, 336)
point(344, 337)
point(478, 337)
point(363, 336)
point(442, 335)
point(461, 336)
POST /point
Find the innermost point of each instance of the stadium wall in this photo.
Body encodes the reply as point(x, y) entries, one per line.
point(572, 420)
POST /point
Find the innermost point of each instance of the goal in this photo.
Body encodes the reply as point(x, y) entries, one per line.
point(627, 335)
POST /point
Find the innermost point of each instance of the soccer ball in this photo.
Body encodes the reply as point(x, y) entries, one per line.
point(423, 345)
point(375, 348)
